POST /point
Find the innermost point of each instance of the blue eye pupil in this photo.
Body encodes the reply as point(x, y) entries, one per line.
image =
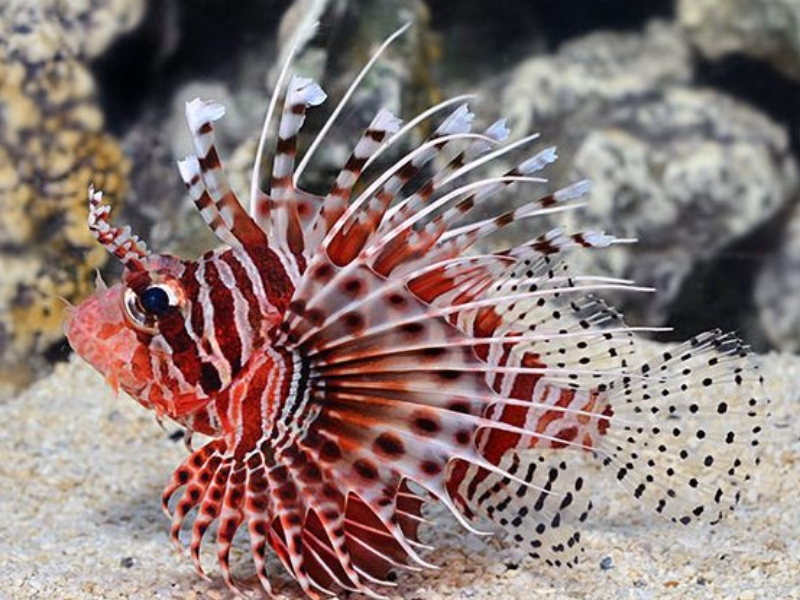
point(155, 300)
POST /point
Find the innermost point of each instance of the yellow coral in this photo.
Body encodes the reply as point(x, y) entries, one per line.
point(52, 146)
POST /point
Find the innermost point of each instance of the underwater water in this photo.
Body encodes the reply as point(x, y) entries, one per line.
point(683, 114)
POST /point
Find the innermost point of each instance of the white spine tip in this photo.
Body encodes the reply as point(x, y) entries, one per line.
point(539, 161)
point(189, 167)
point(459, 121)
point(304, 90)
point(498, 130)
point(386, 121)
point(199, 112)
point(571, 192)
point(599, 239)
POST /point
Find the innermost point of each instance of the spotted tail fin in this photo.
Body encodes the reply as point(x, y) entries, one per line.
point(685, 431)
point(680, 432)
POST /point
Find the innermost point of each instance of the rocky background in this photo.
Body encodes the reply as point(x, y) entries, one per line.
point(683, 113)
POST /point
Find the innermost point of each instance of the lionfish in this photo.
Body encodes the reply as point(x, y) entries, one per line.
point(353, 359)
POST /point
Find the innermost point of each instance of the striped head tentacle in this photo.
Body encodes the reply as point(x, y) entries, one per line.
point(129, 249)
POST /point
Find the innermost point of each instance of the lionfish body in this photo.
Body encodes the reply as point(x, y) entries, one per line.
point(352, 360)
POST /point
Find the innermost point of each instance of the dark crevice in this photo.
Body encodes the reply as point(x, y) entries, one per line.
point(720, 293)
point(178, 41)
point(498, 28)
point(481, 39)
point(214, 32)
point(127, 72)
point(758, 84)
point(471, 34)
point(565, 20)
point(57, 352)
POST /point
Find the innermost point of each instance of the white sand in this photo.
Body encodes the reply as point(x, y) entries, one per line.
point(81, 474)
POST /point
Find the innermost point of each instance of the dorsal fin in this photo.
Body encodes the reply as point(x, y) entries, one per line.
point(208, 184)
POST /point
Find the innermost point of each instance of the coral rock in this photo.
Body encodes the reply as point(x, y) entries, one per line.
point(52, 145)
point(688, 171)
point(754, 28)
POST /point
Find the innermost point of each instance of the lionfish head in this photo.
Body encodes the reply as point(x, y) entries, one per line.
point(175, 334)
point(145, 334)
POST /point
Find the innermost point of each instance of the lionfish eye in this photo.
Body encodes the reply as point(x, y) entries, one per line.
point(143, 310)
point(155, 300)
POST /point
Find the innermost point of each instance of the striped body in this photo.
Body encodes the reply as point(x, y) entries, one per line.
point(224, 322)
point(353, 360)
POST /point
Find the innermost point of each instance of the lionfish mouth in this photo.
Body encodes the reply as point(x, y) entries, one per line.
point(407, 369)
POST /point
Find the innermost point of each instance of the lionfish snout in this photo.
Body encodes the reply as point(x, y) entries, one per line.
point(97, 331)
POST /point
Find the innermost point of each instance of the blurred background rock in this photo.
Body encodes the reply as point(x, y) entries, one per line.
point(683, 113)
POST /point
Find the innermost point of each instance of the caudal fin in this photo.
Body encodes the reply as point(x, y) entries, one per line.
point(685, 427)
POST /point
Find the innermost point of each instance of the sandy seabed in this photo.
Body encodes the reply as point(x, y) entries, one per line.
point(81, 474)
